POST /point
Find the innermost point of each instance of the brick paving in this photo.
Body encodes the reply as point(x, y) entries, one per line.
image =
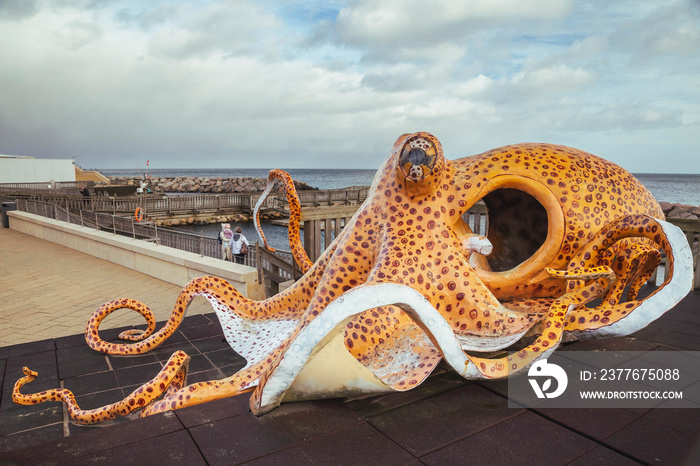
point(446, 420)
point(48, 290)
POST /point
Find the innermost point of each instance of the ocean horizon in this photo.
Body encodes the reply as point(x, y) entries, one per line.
point(679, 188)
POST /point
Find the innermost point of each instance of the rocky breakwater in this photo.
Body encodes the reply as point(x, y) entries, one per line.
point(206, 185)
point(190, 185)
point(680, 211)
point(684, 212)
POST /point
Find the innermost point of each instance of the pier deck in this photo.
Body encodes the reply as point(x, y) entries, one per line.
point(42, 286)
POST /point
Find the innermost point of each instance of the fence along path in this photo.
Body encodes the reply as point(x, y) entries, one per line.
point(155, 205)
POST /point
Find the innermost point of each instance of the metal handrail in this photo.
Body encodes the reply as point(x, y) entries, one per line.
point(128, 226)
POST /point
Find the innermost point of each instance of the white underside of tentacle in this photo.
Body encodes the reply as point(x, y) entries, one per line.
point(485, 343)
point(338, 313)
point(258, 205)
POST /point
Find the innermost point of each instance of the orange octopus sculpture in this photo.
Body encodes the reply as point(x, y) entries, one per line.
point(571, 240)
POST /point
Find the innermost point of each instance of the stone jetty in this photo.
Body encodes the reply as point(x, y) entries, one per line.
point(209, 219)
point(684, 211)
point(205, 185)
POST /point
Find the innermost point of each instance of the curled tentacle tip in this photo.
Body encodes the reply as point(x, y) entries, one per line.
point(479, 244)
point(132, 335)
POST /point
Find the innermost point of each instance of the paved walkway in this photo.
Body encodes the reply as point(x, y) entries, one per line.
point(50, 291)
point(47, 291)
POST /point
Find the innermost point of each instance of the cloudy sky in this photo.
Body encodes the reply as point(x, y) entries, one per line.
point(331, 83)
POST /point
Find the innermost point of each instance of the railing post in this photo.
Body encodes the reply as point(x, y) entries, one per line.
point(201, 242)
point(258, 262)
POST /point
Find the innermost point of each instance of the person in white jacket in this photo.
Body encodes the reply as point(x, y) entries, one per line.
point(225, 240)
point(239, 246)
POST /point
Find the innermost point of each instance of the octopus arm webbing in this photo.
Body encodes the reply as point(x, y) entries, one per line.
point(224, 298)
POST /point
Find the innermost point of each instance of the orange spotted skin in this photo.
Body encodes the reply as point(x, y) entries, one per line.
point(581, 192)
point(170, 379)
point(588, 230)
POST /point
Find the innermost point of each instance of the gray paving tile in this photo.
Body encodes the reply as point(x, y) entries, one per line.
point(526, 439)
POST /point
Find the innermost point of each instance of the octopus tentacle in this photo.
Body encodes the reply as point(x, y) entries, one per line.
point(619, 319)
point(635, 261)
point(168, 381)
point(242, 381)
point(649, 261)
point(553, 327)
point(306, 337)
point(300, 255)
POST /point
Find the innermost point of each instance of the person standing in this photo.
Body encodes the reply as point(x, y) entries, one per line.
point(239, 246)
point(225, 240)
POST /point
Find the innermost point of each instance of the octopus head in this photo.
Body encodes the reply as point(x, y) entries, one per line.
point(420, 162)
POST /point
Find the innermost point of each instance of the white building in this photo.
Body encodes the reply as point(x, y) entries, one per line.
point(19, 169)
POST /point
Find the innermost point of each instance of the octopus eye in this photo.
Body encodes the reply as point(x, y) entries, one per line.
point(417, 158)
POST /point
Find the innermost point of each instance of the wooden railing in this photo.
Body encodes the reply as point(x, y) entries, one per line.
point(275, 268)
point(127, 226)
point(156, 206)
point(352, 195)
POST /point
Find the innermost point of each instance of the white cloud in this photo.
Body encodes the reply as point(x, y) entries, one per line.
point(395, 24)
point(251, 83)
